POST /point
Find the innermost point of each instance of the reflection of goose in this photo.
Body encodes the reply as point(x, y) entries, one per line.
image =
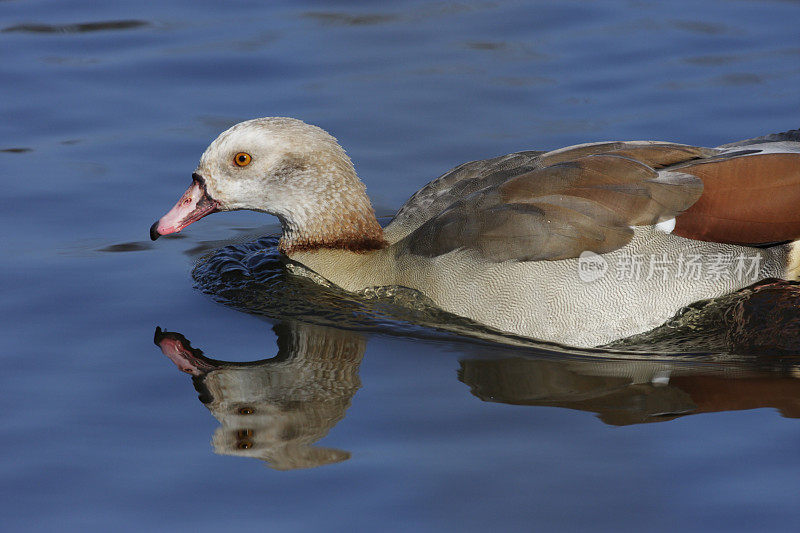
point(275, 409)
point(499, 240)
point(633, 392)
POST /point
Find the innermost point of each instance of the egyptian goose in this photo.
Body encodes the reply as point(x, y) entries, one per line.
point(578, 246)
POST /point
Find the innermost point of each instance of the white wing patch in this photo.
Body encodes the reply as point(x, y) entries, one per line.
point(667, 226)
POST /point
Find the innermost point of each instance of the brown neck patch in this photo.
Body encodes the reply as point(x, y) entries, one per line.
point(359, 234)
point(362, 245)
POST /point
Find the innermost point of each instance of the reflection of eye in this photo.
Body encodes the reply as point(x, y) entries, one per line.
point(244, 444)
point(242, 159)
point(246, 411)
point(244, 434)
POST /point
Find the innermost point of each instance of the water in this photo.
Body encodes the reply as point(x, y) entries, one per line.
point(106, 110)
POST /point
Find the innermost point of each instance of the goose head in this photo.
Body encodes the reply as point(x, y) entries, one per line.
point(287, 168)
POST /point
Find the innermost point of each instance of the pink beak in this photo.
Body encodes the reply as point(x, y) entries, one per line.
point(193, 205)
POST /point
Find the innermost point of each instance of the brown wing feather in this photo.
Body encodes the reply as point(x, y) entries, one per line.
point(659, 155)
point(555, 205)
point(632, 190)
point(545, 230)
point(750, 199)
point(652, 153)
point(468, 178)
point(557, 212)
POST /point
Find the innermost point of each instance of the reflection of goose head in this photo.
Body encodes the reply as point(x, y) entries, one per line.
point(276, 409)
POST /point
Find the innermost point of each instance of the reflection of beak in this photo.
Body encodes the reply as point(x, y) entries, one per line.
point(193, 205)
point(180, 351)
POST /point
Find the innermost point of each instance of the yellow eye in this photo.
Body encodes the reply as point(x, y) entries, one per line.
point(242, 159)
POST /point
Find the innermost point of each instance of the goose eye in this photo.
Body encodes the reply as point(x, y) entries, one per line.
point(242, 159)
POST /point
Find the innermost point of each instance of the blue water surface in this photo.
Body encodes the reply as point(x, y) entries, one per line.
point(106, 108)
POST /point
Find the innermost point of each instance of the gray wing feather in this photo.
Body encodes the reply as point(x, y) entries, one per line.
point(457, 184)
point(791, 135)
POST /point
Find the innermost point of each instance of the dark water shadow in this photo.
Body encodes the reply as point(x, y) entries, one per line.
point(137, 246)
point(81, 27)
point(334, 18)
point(635, 392)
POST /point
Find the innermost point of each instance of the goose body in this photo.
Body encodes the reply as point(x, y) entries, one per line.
point(579, 246)
point(547, 300)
